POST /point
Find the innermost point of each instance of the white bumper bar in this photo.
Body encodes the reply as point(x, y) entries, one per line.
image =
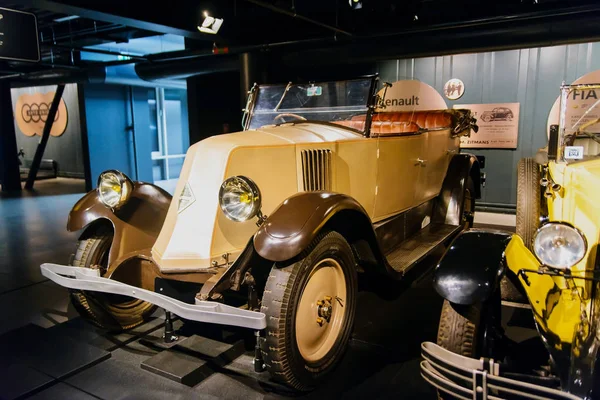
point(203, 311)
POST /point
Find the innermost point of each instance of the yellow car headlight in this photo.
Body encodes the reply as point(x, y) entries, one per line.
point(114, 189)
point(239, 198)
point(559, 245)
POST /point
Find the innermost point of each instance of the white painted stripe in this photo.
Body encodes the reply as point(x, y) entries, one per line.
point(495, 219)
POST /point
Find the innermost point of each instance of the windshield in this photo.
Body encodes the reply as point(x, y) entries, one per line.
point(324, 102)
point(579, 129)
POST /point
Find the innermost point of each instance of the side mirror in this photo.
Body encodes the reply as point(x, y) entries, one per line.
point(553, 142)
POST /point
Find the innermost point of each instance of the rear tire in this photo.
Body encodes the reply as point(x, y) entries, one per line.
point(528, 200)
point(298, 350)
point(103, 310)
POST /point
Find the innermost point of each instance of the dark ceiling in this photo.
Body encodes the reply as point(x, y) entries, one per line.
point(310, 31)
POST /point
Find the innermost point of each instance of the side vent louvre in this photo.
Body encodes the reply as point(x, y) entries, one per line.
point(316, 169)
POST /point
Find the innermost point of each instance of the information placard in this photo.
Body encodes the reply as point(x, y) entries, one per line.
point(18, 36)
point(498, 126)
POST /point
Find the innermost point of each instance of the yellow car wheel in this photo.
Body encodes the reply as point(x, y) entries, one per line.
point(111, 312)
point(310, 306)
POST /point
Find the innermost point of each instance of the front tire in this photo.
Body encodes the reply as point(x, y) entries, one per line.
point(459, 328)
point(310, 306)
point(114, 313)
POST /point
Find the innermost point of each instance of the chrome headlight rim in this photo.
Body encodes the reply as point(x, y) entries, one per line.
point(549, 225)
point(125, 188)
point(253, 190)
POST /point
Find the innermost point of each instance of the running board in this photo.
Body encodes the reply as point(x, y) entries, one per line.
point(418, 246)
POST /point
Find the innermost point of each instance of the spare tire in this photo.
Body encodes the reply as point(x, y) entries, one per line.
point(528, 200)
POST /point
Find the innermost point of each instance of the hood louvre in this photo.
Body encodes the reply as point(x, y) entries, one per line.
point(316, 169)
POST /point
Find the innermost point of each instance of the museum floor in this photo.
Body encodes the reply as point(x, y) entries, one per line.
point(50, 353)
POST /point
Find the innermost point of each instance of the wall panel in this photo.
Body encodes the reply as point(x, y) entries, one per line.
point(531, 77)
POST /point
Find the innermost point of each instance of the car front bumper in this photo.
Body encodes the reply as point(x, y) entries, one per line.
point(468, 378)
point(202, 311)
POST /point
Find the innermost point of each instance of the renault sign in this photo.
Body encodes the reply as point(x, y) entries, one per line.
point(18, 36)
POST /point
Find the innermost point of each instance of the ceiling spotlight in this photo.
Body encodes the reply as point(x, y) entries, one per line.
point(210, 24)
point(355, 4)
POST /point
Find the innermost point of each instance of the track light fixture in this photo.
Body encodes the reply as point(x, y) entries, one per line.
point(210, 24)
point(355, 4)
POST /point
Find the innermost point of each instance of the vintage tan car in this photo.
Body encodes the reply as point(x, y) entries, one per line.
point(271, 228)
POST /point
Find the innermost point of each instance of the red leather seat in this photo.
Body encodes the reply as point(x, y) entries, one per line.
point(398, 123)
point(356, 122)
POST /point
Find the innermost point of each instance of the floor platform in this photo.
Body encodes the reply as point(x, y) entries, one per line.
point(47, 352)
point(76, 360)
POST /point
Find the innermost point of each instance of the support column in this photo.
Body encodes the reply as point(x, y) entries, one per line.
point(10, 179)
point(251, 72)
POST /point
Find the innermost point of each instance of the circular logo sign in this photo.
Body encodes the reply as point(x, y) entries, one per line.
point(31, 113)
point(410, 95)
point(454, 89)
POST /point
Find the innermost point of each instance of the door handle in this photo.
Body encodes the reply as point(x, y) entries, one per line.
point(421, 162)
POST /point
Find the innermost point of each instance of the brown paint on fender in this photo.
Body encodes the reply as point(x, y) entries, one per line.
point(295, 223)
point(136, 225)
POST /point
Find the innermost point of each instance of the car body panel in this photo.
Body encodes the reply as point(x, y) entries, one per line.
point(201, 237)
point(472, 267)
point(296, 222)
point(135, 226)
point(553, 317)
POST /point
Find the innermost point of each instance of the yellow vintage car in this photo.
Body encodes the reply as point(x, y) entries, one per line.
point(552, 263)
point(271, 228)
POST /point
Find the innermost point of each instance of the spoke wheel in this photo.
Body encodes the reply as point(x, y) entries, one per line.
point(310, 306)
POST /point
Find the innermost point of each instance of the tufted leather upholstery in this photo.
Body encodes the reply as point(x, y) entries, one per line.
point(394, 123)
point(356, 122)
point(398, 123)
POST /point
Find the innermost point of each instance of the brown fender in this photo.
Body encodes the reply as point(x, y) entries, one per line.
point(136, 224)
point(299, 219)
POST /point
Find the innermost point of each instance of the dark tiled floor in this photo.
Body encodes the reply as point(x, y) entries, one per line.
point(382, 360)
point(32, 231)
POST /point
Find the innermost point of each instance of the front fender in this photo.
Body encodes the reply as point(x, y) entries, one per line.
point(136, 225)
point(472, 267)
point(299, 219)
point(450, 200)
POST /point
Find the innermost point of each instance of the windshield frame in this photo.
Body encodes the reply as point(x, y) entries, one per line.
point(370, 106)
point(565, 91)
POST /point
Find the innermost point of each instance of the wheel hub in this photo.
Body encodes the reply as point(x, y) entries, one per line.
point(324, 310)
point(318, 321)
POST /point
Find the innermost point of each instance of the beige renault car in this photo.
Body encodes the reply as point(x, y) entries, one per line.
point(271, 228)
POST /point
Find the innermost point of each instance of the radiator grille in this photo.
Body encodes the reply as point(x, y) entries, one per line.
point(316, 169)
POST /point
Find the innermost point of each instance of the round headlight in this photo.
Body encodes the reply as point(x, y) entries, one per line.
point(239, 198)
point(114, 188)
point(559, 245)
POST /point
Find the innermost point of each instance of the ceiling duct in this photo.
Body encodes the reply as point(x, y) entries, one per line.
point(185, 68)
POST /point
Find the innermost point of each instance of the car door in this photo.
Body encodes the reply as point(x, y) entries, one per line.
point(440, 147)
point(400, 183)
